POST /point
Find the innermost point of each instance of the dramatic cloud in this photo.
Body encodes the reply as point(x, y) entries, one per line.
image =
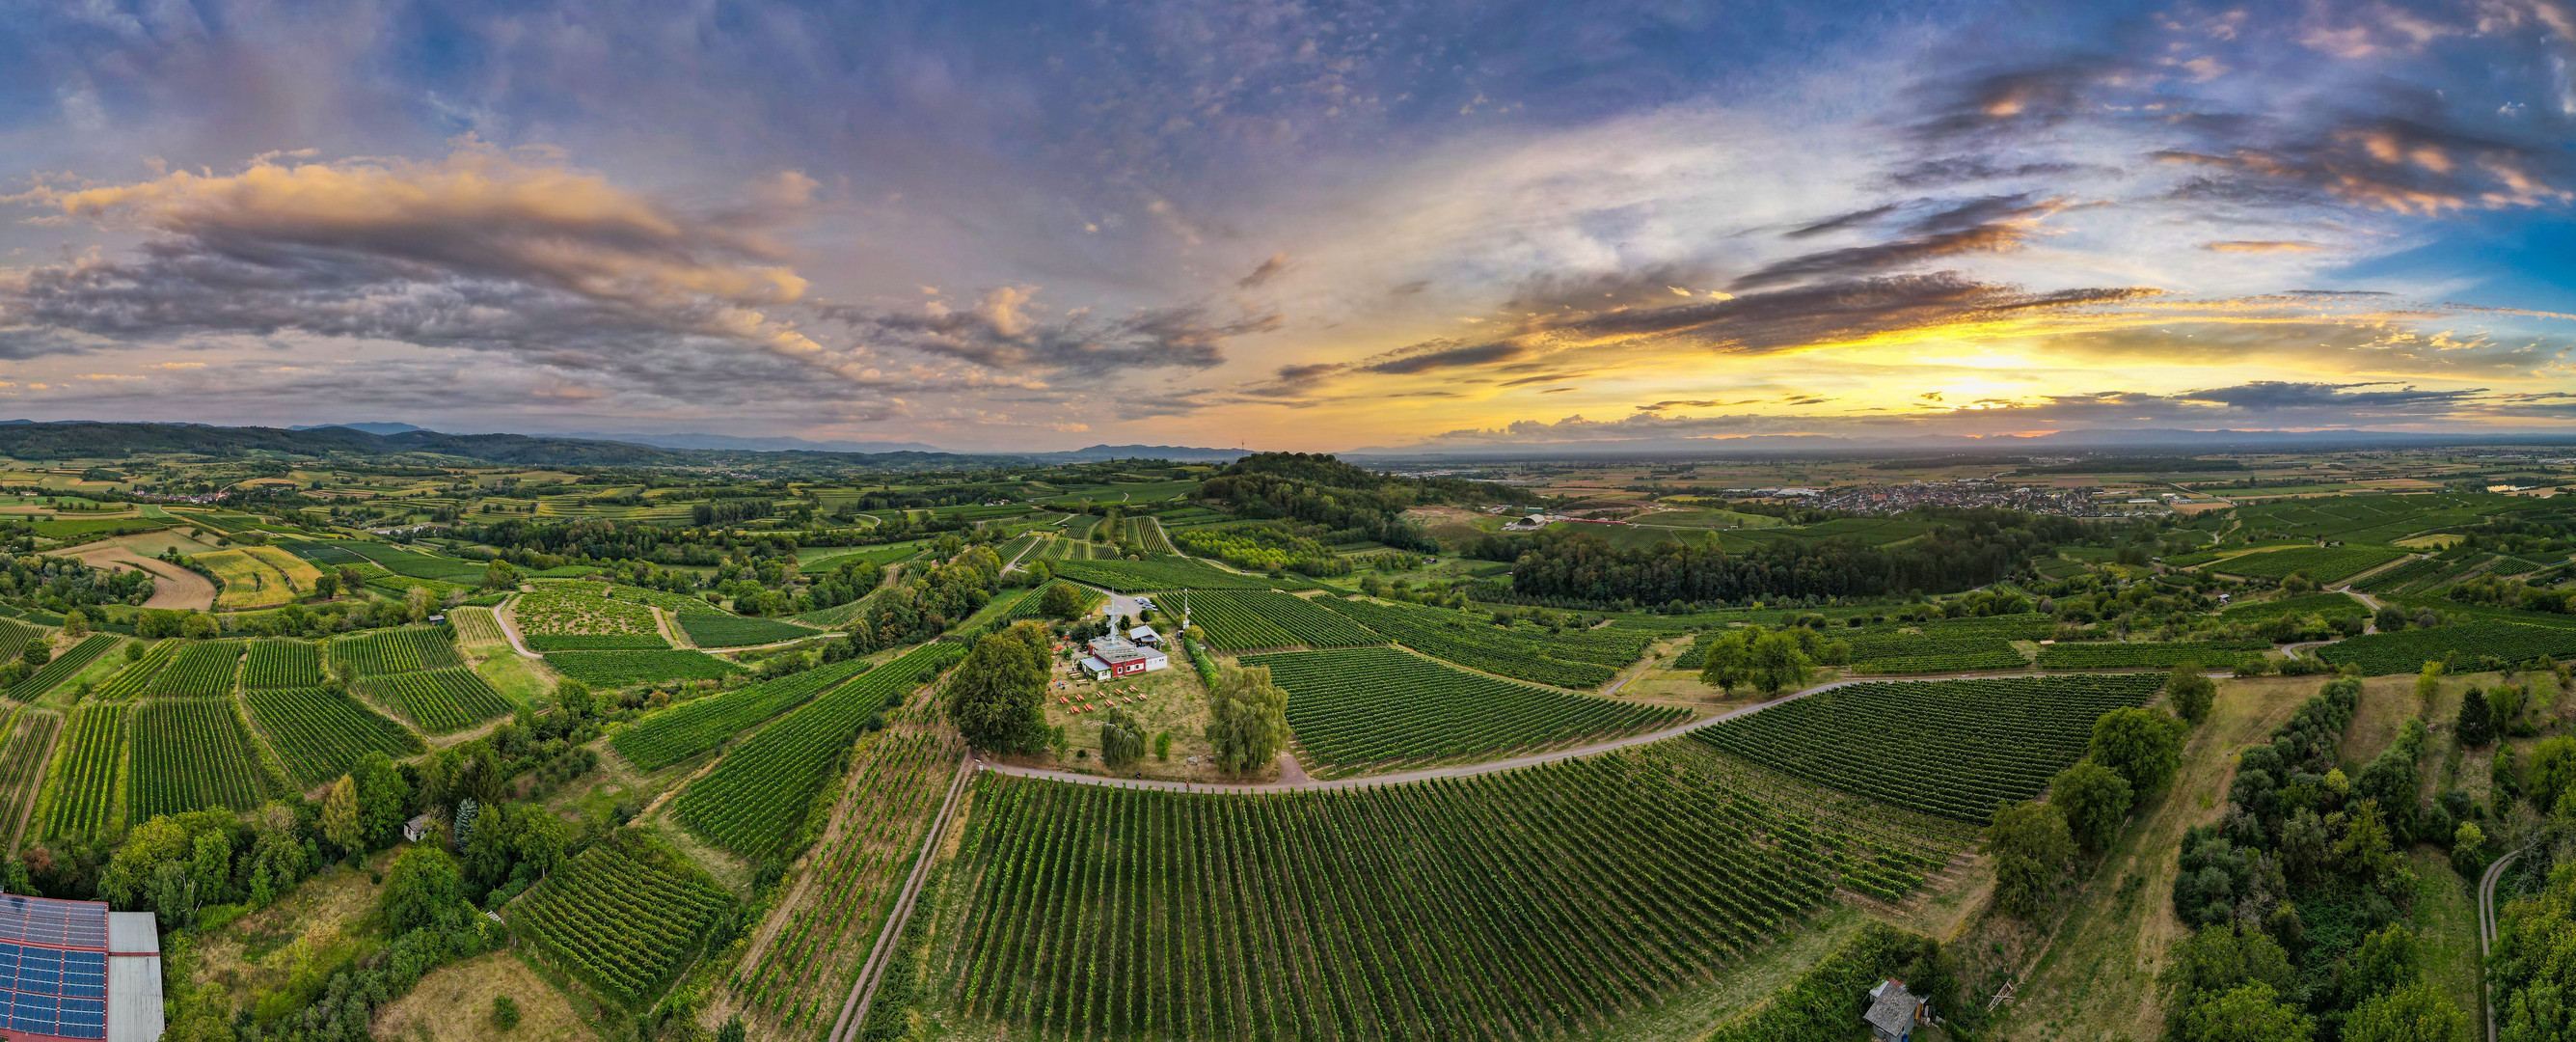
point(1005, 330)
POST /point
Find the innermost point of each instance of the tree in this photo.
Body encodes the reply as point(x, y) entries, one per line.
point(2305, 845)
point(2095, 800)
point(1063, 601)
point(1250, 722)
point(1122, 739)
point(2144, 745)
point(1780, 661)
point(2468, 845)
point(2221, 957)
point(2245, 1013)
point(499, 575)
point(423, 882)
point(2553, 771)
point(2192, 692)
point(2031, 847)
point(2504, 706)
point(326, 585)
point(340, 821)
point(2365, 851)
point(2428, 683)
point(2417, 1011)
point(996, 696)
point(75, 623)
point(1729, 659)
point(2476, 724)
point(732, 1031)
point(382, 796)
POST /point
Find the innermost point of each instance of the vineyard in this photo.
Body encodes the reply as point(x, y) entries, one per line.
point(579, 608)
point(2214, 654)
point(757, 798)
point(1367, 708)
point(715, 629)
point(22, 769)
point(1243, 621)
point(621, 668)
point(1165, 574)
point(283, 663)
point(2405, 651)
point(1931, 651)
point(1538, 903)
point(137, 675)
point(477, 626)
point(200, 669)
point(2325, 564)
point(622, 916)
point(1957, 748)
point(321, 734)
point(14, 636)
point(597, 642)
point(438, 700)
point(1520, 652)
point(693, 727)
point(896, 782)
point(64, 666)
point(2329, 605)
point(84, 795)
point(405, 650)
point(190, 754)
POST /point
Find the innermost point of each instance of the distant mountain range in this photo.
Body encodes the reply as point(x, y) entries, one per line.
point(79, 439)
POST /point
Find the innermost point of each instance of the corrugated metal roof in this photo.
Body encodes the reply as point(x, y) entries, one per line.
point(133, 933)
point(134, 998)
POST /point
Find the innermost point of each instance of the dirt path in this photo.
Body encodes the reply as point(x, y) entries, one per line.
point(172, 586)
point(510, 628)
point(854, 1011)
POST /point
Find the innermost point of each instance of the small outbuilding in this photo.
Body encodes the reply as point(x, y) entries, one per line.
point(1145, 635)
point(1893, 1012)
point(416, 828)
point(1120, 657)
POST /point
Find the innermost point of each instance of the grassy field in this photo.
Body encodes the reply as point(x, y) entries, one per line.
point(2099, 980)
point(251, 580)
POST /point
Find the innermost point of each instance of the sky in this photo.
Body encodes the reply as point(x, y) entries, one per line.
point(1283, 225)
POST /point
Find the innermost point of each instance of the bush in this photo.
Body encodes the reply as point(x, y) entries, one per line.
point(505, 1012)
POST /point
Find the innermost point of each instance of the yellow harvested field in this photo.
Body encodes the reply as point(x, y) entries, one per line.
point(455, 1003)
point(258, 576)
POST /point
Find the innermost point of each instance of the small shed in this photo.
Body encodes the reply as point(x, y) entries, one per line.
point(416, 828)
point(1144, 635)
point(1893, 1012)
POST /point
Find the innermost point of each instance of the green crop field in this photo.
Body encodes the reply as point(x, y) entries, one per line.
point(1957, 748)
point(621, 668)
point(137, 675)
point(14, 636)
point(437, 700)
point(1239, 621)
point(1539, 903)
point(1571, 659)
point(2213, 654)
point(322, 734)
point(1166, 574)
point(200, 669)
point(622, 916)
point(190, 754)
point(2371, 519)
point(404, 650)
point(2325, 564)
point(580, 609)
point(693, 727)
point(84, 795)
point(64, 666)
point(1374, 707)
point(596, 642)
point(22, 768)
point(416, 565)
point(756, 798)
point(2327, 604)
point(283, 663)
point(713, 629)
point(1886, 649)
point(2405, 651)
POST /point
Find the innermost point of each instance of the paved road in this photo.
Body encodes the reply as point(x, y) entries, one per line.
point(2487, 927)
point(1467, 770)
point(863, 993)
